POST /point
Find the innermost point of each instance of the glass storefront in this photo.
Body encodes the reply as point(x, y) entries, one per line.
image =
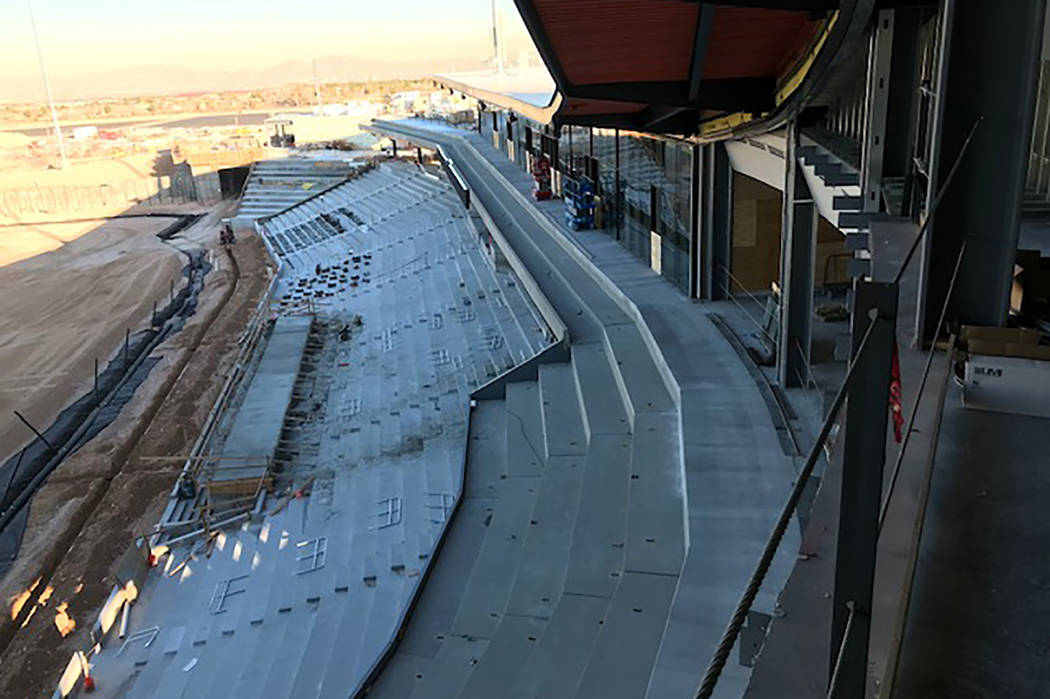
point(651, 216)
point(656, 184)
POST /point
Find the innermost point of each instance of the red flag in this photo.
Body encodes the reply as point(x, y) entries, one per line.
point(896, 406)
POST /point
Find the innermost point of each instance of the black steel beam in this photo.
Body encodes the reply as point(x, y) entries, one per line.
point(738, 94)
point(663, 120)
point(863, 456)
point(797, 258)
point(747, 94)
point(696, 190)
point(992, 68)
point(716, 220)
point(704, 19)
point(671, 93)
point(903, 94)
point(652, 118)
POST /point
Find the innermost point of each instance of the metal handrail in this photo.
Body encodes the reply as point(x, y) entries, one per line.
point(918, 396)
point(728, 290)
point(833, 685)
point(729, 294)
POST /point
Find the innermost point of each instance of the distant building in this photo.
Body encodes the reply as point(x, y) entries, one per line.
point(313, 128)
point(83, 133)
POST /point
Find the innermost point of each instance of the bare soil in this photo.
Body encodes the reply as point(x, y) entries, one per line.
point(64, 308)
point(95, 504)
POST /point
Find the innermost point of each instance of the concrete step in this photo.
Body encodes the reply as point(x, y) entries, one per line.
point(555, 666)
point(433, 617)
point(563, 427)
point(597, 554)
point(625, 648)
point(854, 219)
point(545, 557)
point(503, 660)
point(450, 669)
point(526, 448)
point(656, 509)
point(847, 203)
point(841, 179)
point(487, 589)
point(642, 384)
point(604, 409)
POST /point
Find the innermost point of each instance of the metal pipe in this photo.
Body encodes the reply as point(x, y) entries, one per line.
point(936, 202)
point(834, 683)
point(36, 432)
point(14, 475)
point(123, 631)
point(922, 385)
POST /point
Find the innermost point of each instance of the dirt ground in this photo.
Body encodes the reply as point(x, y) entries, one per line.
point(81, 172)
point(71, 305)
point(93, 506)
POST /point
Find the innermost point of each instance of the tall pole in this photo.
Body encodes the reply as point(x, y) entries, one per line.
point(47, 86)
point(497, 54)
point(317, 88)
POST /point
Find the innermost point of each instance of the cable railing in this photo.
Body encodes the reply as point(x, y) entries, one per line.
point(807, 381)
point(833, 685)
point(736, 621)
point(727, 288)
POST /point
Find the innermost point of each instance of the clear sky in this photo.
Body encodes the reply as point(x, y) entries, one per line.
point(89, 36)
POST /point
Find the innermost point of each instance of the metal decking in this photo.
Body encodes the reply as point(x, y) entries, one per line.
point(275, 185)
point(253, 438)
point(305, 601)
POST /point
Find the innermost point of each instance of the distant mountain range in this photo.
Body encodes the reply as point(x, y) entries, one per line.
point(160, 79)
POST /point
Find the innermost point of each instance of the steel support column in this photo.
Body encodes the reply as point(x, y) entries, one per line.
point(991, 67)
point(716, 208)
point(903, 92)
point(863, 456)
point(696, 208)
point(618, 202)
point(797, 257)
point(880, 53)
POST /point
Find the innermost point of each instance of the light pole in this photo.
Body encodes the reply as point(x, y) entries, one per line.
point(47, 86)
point(498, 54)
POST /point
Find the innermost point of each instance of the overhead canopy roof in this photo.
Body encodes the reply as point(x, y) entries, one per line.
point(530, 92)
point(663, 65)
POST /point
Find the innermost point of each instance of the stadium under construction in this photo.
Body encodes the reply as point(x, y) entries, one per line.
point(719, 371)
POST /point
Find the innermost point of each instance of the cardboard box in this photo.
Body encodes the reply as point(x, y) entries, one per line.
point(1015, 385)
point(1019, 336)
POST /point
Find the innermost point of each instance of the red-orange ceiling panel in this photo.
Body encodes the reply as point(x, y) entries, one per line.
point(584, 107)
point(747, 43)
point(608, 41)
